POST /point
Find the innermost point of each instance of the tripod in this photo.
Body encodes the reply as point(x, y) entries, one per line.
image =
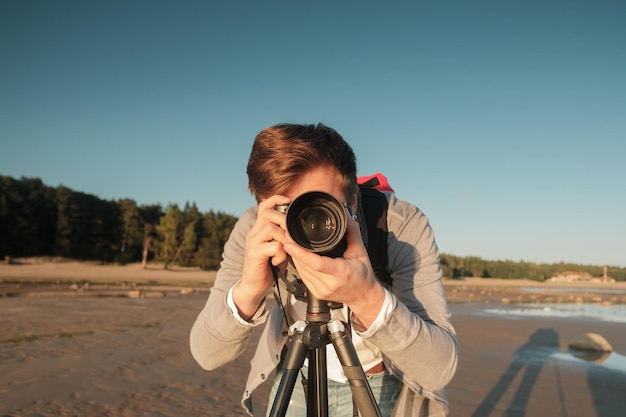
point(309, 340)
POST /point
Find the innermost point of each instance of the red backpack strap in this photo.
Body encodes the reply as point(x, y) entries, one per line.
point(377, 181)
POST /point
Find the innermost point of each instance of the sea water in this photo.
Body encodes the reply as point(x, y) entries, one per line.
point(609, 360)
point(605, 290)
point(610, 313)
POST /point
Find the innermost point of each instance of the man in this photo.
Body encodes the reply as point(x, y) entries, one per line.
point(402, 333)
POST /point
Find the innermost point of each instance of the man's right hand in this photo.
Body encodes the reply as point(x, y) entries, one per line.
point(264, 244)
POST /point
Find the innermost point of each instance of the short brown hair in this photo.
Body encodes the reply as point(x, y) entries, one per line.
point(283, 152)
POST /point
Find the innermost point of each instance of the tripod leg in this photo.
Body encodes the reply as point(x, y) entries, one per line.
point(296, 353)
point(361, 391)
point(317, 389)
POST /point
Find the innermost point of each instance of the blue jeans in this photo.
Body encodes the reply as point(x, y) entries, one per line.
point(385, 387)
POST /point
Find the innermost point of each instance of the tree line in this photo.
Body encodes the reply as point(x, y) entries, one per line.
point(39, 220)
point(473, 266)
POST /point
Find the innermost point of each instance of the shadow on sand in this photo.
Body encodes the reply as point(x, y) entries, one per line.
point(605, 383)
point(529, 360)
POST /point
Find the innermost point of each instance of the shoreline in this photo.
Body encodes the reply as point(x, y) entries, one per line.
point(76, 279)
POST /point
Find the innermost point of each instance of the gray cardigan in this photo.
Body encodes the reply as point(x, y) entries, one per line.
point(418, 342)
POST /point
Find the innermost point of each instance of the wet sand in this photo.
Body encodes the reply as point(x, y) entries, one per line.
point(119, 347)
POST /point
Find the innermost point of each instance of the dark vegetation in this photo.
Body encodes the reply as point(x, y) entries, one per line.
point(472, 266)
point(39, 220)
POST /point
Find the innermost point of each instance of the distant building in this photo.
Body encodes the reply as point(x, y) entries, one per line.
point(579, 276)
point(571, 276)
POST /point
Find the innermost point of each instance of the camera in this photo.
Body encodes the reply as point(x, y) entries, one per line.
point(317, 221)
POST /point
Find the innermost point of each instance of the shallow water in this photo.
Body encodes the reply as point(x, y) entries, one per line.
point(613, 313)
point(576, 289)
point(610, 361)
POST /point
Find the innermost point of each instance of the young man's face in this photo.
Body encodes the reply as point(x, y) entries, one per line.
point(324, 179)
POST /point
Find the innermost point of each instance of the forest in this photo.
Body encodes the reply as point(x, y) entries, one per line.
point(40, 220)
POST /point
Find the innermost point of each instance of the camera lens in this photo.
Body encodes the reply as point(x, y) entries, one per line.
point(317, 222)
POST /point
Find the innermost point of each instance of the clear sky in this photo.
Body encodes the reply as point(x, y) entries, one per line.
point(504, 121)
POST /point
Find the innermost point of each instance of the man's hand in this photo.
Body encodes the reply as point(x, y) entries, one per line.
point(349, 280)
point(264, 244)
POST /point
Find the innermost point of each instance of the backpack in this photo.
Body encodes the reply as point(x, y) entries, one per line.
point(374, 208)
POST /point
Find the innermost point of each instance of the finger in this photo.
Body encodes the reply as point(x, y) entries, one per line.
point(267, 232)
point(279, 257)
point(268, 213)
point(275, 200)
point(317, 271)
point(271, 204)
point(305, 257)
point(355, 248)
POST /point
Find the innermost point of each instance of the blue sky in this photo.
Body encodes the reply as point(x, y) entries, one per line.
point(504, 121)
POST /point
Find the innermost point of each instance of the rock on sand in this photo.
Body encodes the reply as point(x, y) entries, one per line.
point(591, 342)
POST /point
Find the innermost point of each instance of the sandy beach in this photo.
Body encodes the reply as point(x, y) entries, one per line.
point(90, 340)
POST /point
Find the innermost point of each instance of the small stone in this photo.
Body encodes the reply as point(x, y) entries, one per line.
point(153, 294)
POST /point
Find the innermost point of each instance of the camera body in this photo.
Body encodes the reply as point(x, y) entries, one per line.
point(317, 221)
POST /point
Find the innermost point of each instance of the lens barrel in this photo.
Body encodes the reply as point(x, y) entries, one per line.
point(317, 221)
